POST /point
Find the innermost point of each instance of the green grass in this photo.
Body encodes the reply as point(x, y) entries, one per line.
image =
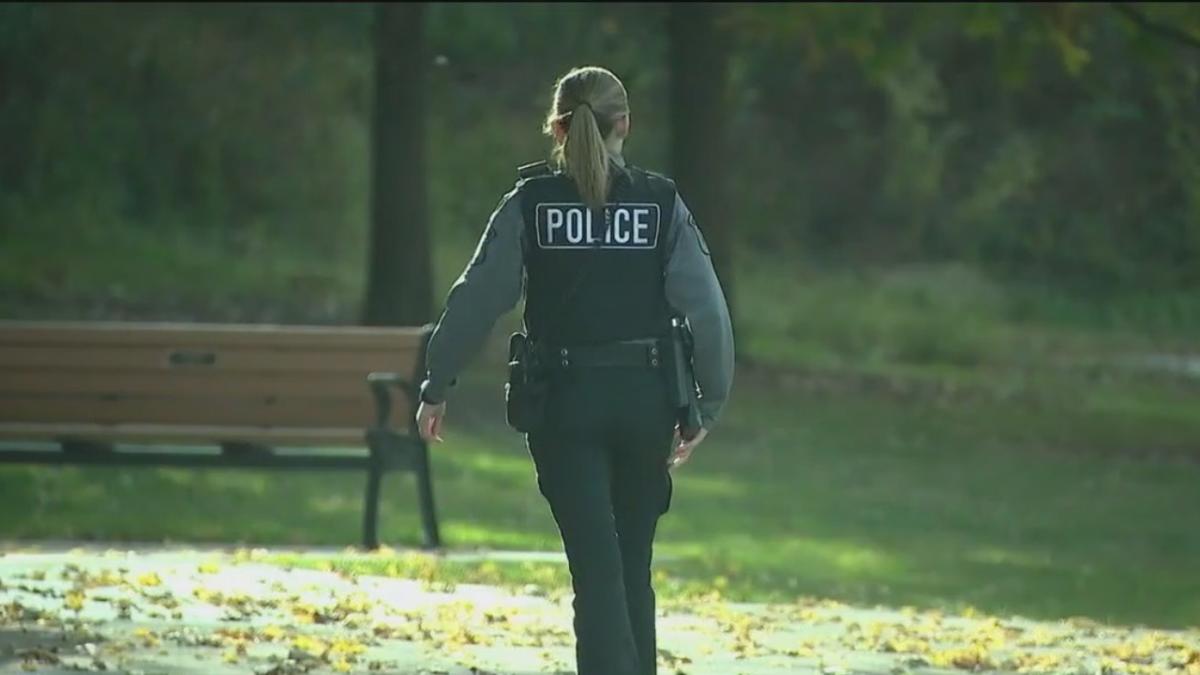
point(173, 272)
point(1004, 505)
point(946, 318)
point(912, 436)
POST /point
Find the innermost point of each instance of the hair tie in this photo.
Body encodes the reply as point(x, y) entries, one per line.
point(566, 117)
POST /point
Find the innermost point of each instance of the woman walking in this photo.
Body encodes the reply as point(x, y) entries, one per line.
point(606, 255)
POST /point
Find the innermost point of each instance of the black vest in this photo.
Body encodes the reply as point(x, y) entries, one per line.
point(595, 275)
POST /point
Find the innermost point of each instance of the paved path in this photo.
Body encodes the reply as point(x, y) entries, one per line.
point(158, 610)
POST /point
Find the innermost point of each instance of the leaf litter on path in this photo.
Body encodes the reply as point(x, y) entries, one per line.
point(236, 613)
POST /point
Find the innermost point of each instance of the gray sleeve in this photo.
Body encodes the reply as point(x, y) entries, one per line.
point(490, 285)
point(693, 290)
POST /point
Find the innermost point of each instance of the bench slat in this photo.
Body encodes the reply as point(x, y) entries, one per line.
point(183, 434)
point(192, 383)
point(158, 359)
point(229, 410)
point(186, 459)
point(162, 334)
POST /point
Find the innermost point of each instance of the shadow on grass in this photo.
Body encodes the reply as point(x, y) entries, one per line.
point(38, 646)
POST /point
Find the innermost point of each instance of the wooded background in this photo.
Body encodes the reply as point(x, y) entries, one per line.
point(1055, 142)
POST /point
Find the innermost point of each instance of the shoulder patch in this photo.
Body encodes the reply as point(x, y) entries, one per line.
point(481, 252)
point(699, 234)
point(490, 234)
point(657, 178)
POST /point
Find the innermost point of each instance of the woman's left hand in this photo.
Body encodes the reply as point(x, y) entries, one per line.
point(683, 449)
point(429, 421)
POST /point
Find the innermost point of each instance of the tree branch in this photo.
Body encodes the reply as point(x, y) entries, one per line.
point(1139, 19)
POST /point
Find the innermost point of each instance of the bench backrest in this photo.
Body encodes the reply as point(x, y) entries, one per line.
point(200, 374)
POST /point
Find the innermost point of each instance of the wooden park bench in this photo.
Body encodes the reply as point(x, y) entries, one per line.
point(217, 395)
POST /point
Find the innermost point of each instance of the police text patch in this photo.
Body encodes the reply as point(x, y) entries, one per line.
point(625, 225)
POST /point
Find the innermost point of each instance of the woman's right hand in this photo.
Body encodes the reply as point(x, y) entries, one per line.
point(429, 421)
point(683, 449)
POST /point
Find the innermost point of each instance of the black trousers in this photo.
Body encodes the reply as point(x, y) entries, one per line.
point(601, 461)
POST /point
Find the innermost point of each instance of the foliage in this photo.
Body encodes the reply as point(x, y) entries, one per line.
point(1052, 140)
point(1057, 140)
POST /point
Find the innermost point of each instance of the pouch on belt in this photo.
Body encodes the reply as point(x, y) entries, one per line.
point(526, 392)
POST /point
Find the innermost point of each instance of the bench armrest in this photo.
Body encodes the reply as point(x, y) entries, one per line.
point(381, 384)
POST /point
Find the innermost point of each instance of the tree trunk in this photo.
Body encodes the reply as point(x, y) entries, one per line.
point(699, 60)
point(399, 277)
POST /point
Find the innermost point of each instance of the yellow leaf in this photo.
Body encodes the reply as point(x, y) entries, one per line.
point(149, 579)
point(310, 645)
point(346, 647)
point(970, 658)
point(74, 600)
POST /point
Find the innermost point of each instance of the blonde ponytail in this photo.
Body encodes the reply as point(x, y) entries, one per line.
point(587, 103)
point(585, 157)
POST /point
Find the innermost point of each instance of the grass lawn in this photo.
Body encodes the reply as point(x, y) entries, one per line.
point(910, 437)
point(1003, 504)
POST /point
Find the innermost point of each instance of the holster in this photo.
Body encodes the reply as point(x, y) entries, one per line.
point(527, 389)
point(682, 380)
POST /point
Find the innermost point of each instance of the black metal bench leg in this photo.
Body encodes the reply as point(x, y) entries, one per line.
point(425, 494)
point(371, 508)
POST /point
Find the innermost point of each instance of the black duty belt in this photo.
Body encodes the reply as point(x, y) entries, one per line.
point(645, 353)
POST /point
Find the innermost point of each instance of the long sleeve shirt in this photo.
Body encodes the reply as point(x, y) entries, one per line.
point(492, 284)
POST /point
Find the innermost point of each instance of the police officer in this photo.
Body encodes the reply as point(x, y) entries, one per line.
point(605, 254)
